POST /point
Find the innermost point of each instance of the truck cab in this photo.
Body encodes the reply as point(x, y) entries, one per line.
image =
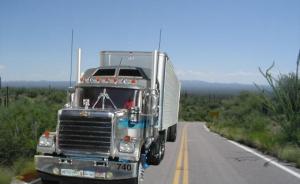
point(112, 128)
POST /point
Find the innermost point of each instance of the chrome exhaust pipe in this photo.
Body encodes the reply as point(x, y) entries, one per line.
point(78, 65)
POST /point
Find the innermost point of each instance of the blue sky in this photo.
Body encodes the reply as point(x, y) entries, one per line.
point(212, 40)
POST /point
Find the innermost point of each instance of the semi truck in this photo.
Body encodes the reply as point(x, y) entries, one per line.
point(116, 122)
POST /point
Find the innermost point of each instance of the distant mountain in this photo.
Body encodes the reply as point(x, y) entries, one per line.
point(38, 84)
point(190, 86)
point(193, 86)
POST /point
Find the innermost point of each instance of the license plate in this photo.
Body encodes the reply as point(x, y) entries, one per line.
point(71, 172)
point(89, 174)
point(80, 173)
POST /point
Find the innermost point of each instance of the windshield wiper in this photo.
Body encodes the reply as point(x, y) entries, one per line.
point(104, 96)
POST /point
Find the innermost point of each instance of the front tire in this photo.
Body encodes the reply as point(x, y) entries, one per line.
point(157, 150)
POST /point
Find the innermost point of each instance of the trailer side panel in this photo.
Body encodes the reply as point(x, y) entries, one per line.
point(170, 96)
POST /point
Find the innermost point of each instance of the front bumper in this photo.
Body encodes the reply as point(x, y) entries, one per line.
point(86, 168)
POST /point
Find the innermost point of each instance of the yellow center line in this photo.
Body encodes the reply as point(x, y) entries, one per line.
point(185, 162)
point(178, 163)
point(178, 171)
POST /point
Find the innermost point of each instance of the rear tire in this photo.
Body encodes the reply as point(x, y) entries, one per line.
point(172, 133)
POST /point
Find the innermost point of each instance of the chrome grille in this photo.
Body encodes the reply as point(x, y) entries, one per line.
point(90, 135)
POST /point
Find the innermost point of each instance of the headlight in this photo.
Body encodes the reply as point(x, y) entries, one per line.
point(46, 143)
point(46, 140)
point(126, 146)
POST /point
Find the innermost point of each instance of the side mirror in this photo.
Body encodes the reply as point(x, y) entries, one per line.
point(133, 116)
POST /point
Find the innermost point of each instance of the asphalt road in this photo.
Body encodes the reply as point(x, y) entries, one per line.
point(202, 157)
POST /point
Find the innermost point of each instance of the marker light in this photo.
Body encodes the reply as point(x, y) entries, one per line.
point(126, 138)
point(46, 134)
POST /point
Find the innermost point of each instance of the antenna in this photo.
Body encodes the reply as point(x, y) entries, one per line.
point(159, 39)
point(71, 59)
point(298, 63)
point(297, 68)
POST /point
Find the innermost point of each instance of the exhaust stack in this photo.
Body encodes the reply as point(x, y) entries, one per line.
point(78, 65)
point(154, 72)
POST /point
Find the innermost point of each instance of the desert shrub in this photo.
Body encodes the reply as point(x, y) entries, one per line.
point(284, 102)
point(25, 119)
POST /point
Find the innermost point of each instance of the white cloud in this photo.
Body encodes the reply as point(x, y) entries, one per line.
point(246, 77)
point(2, 67)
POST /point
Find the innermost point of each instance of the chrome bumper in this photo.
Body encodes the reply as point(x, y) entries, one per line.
point(82, 168)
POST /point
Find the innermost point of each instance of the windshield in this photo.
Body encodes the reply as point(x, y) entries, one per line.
point(119, 97)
